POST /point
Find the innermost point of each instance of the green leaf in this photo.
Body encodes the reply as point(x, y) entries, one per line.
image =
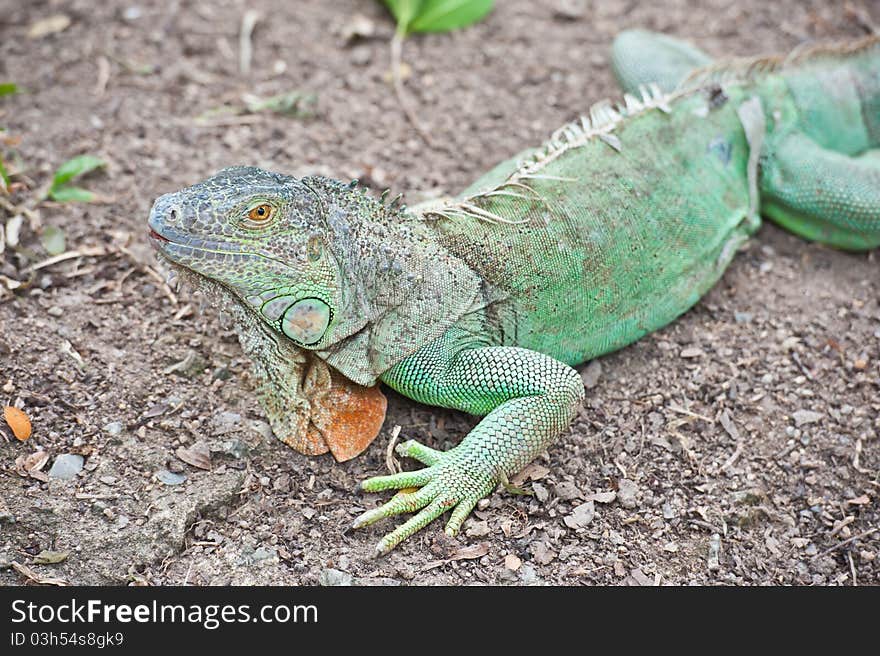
point(404, 11)
point(8, 88)
point(4, 176)
point(53, 240)
point(69, 194)
point(292, 103)
point(445, 15)
point(79, 165)
point(47, 557)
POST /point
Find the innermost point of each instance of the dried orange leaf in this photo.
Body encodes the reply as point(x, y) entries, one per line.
point(18, 421)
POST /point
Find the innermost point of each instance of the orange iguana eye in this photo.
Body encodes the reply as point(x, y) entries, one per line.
point(262, 212)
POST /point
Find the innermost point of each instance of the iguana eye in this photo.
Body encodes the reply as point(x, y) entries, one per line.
point(261, 213)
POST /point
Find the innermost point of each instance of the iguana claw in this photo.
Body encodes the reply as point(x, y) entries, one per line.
point(449, 482)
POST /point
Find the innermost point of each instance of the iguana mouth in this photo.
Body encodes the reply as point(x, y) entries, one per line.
point(156, 237)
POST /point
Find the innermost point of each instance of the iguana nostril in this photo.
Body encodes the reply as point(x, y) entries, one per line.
point(172, 215)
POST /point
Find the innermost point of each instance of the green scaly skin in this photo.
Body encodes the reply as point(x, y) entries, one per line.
point(484, 302)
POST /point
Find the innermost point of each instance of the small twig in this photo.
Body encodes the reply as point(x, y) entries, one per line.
point(797, 360)
point(843, 523)
point(682, 411)
point(89, 251)
point(13, 209)
point(390, 461)
point(733, 457)
point(846, 542)
point(28, 573)
point(857, 456)
point(397, 82)
point(152, 273)
point(861, 17)
point(103, 76)
point(245, 46)
point(852, 568)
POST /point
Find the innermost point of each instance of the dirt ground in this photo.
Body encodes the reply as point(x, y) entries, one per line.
point(737, 446)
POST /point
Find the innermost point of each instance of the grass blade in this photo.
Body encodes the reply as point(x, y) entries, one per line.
point(445, 15)
point(79, 165)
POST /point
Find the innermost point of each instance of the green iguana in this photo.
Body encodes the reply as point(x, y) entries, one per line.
point(484, 302)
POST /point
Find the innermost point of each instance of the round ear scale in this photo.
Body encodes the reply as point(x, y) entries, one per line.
point(307, 320)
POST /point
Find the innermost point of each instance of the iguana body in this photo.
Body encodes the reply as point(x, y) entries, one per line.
point(484, 302)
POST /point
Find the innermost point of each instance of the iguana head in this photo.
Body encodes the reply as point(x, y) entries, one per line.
point(266, 238)
point(360, 283)
point(352, 283)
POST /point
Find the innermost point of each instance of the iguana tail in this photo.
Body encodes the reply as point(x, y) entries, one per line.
point(820, 175)
point(820, 159)
point(639, 57)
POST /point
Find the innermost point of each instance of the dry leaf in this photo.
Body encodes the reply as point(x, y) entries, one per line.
point(859, 501)
point(50, 25)
point(198, 455)
point(27, 572)
point(35, 461)
point(18, 421)
point(47, 557)
point(471, 551)
point(531, 472)
point(31, 465)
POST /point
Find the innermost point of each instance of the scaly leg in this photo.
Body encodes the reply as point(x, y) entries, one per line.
point(820, 194)
point(639, 58)
point(528, 399)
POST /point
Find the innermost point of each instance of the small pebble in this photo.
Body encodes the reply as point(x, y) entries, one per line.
point(113, 428)
point(581, 516)
point(170, 478)
point(626, 493)
point(66, 466)
point(334, 577)
point(567, 491)
point(802, 417)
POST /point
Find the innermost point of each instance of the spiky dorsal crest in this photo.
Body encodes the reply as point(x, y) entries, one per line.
point(600, 123)
point(743, 70)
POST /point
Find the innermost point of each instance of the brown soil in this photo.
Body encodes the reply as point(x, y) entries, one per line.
point(88, 348)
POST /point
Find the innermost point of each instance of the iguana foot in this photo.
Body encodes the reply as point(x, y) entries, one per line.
point(451, 481)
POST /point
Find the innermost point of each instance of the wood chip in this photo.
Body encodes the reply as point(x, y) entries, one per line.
point(512, 562)
point(49, 25)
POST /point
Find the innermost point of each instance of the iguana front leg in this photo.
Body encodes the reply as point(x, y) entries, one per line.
point(527, 398)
